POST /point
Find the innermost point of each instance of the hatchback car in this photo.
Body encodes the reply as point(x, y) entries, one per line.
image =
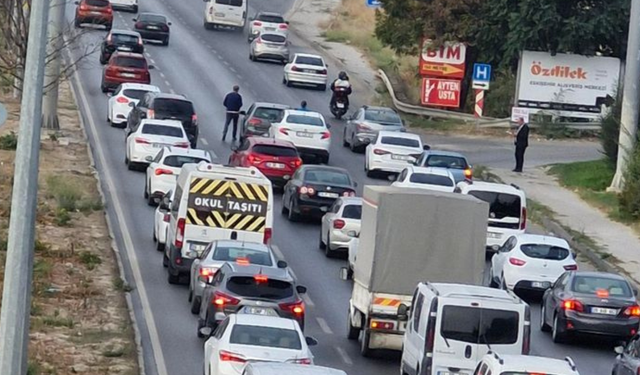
point(161, 220)
point(267, 22)
point(456, 163)
point(339, 224)
point(218, 253)
point(95, 12)
point(270, 46)
point(125, 67)
point(306, 69)
point(391, 152)
point(152, 135)
point(531, 262)
point(362, 127)
point(119, 104)
point(153, 27)
point(313, 189)
point(307, 130)
point(438, 179)
point(236, 285)
point(257, 120)
point(120, 40)
point(592, 303)
point(165, 167)
point(278, 160)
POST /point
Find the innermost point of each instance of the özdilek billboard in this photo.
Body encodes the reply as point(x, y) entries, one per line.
point(566, 85)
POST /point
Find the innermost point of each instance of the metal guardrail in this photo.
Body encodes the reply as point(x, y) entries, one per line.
point(483, 122)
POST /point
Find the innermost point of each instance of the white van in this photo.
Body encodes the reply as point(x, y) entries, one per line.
point(229, 13)
point(507, 209)
point(455, 325)
point(215, 202)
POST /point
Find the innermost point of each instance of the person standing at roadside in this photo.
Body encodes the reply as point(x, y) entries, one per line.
point(233, 104)
point(521, 141)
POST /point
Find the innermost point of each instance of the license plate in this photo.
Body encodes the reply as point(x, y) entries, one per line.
point(539, 284)
point(270, 28)
point(159, 145)
point(324, 194)
point(219, 14)
point(153, 27)
point(604, 311)
point(128, 75)
point(304, 134)
point(97, 13)
point(401, 157)
point(124, 48)
point(309, 71)
point(340, 105)
point(275, 165)
point(258, 310)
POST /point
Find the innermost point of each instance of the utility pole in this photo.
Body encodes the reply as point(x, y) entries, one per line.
point(630, 100)
point(52, 69)
point(16, 296)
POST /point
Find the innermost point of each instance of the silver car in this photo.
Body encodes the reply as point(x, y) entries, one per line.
point(264, 22)
point(218, 253)
point(270, 46)
point(363, 126)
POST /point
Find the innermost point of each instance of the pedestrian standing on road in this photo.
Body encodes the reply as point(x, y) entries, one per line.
point(233, 104)
point(521, 141)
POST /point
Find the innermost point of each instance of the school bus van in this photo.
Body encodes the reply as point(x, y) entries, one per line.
point(215, 202)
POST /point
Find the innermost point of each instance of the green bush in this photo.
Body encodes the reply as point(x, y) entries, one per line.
point(499, 99)
point(610, 132)
point(9, 141)
point(630, 195)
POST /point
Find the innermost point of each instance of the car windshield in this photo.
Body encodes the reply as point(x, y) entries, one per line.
point(305, 120)
point(269, 114)
point(233, 253)
point(273, 150)
point(134, 94)
point(352, 211)
point(543, 251)
point(155, 18)
point(131, 62)
point(501, 205)
point(399, 141)
point(177, 161)
point(593, 284)
point(167, 131)
point(445, 161)
point(385, 117)
point(248, 286)
point(273, 38)
point(124, 38)
point(430, 179)
point(173, 107)
point(98, 3)
point(308, 60)
point(233, 3)
point(265, 336)
point(325, 176)
point(271, 18)
point(477, 325)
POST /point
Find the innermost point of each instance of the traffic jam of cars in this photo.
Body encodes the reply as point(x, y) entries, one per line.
point(214, 224)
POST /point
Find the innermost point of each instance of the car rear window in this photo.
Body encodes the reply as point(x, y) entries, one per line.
point(265, 336)
point(131, 62)
point(167, 131)
point(248, 286)
point(273, 38)
point(134, 94)
point(233, 3)
point(547, 252)
point(430, 179)
point(592, 284)
point(98, 3)
point(319, 176)
point(501, 205)
point(270, 114)
point(383, 117)
point(271, 18)
point(399, 141)
point(155, 18)
point(308, 60)
point(124, 38)
point(232, 254)
point(305, 120)
point(175, 107)
point(352, 211)
point(177, 161)
point(478, 325)
point(273, 150)
point(445, 161)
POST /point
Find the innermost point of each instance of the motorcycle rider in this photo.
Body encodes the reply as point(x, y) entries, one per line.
point(341, 86)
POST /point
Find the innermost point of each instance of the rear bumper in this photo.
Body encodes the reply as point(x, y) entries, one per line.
point(388, 166)
point(271, 55)
point(363, 139)
point(318, 152)
point(113, 82)
point(94, 18)
point(179, 264)
point(312, 207)
point(313, 79)
point(153, 35)
point(613, 327)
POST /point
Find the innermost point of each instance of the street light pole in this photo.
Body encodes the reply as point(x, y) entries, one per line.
point(52, 69)
point(16, 296)
point(630, 100)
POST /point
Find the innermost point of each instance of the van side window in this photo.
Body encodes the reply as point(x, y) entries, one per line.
point(417, 311)
point(175, 205)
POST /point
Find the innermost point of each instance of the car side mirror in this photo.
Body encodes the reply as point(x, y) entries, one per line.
point(244, 113)
point(151, 67)
point(326, 65)
point(76, 2)
point(287, 22)
point(109, 94)
point(344, 274)
point(301, 289)
point(618, 349)
point(206, 331)
point(311, 341)
point(168, 23)
point(403, 312)
point(149, 158)
point(234, 148)
point(426, 147)
point(574, 255)
point(635, 292)
point(132, 104)
point(282, 264)
point(135, 20)
point(328, 126)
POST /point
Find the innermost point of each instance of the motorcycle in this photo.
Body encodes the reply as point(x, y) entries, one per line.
point(339, 107)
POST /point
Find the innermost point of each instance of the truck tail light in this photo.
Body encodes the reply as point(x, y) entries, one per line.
point(267, 236)
point(431, 335)
point(382, 325)
point(180, 233)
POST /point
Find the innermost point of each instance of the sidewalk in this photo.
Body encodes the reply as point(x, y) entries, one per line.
point(611, 237)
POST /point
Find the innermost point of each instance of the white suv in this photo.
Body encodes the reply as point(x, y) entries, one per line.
point(494, 364)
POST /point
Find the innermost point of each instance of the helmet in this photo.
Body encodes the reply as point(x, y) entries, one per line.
point(343, 76)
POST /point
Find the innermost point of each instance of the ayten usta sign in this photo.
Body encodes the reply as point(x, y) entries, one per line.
point(572, 85)
point(440, 92)
point(447, 61)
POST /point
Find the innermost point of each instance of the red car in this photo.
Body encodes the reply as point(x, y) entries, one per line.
point(94, 11)
point(278, 160)
point(125, 67)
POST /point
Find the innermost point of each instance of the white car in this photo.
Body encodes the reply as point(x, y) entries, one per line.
point(438, 179)
point(163, 171)
point(119, 104)
point(340, 224)
point(150, 137)
point(391, 152)
point(306, 69)
point(353, 253)
point(131, 5)
point(307, 130)
point(161, 220)
point(254, 336)
point(267, 22)
point(531, 262)
point(494, 363)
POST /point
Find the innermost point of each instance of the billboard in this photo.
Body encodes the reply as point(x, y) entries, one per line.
point(444, 62)
point(438, 92)
point(569, 85)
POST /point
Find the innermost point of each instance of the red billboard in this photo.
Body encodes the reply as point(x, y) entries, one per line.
point(437, 92)
point(448, 61)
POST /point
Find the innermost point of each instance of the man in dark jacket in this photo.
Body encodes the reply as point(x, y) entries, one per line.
point(233, 104)
point(521, 141)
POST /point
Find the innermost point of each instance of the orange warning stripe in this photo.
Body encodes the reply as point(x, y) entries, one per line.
point(387, 302)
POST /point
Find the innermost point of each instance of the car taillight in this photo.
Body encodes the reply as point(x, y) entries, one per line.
point(109, 9)
point(296, 69)
point(194, 119)
point(323, 71)
point(165, 28)
point(143, 141)
point(297, 308)
point(180, 233)
point(139, 25)
point(84, 6)
point(308, 190)
point(326, 135)
point(252, 159)
point(151, 113)
point(632, 311)
point(166, 218)
point(284, 131)
point(378, 151)
point(161, 171)
point(112, 70)
point(349, 193)
point(226, 356)
point(523, 222)
point(268, 233)
point(380, 325)
point(206, 273)
point(572, 305)
point(257, 23)
point(571, 267)
point(254, 121)
point(296, 163)
point(468, 174)
point(258, 40)
point(221, 299)
point(283, 26)
point(122, 99)
point(182, 144)
point(431, 335)
point(339, 224)
point(300, 361)
point(362, 127)
point(517, 262)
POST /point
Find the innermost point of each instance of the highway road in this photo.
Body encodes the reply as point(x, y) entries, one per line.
point(204, 65)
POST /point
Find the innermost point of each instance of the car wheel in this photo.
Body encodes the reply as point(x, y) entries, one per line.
point(293, 216)
point(349, 273)
point(284, 80)
point(325, 159)
point(252, 57)
point(155, 238)
point(344, 139)
point(558, 335)
point(201, 324)
point(284, 209)
point(352, 332)
point(146, 189)
point(492, 279)
point(195, 304)
point(544, 327)
point(327, 249)
point(77, 23)
point(364, 344)
point(102, 59)
point(503, 284)
point(159, 246)
point(103, 88)
point(321, 243)
point(322, 87)
point(165, 260)
point(171, 278)
point(352, 145)
point(165, 41)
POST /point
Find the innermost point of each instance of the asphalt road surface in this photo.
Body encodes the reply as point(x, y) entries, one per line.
point(204, 65)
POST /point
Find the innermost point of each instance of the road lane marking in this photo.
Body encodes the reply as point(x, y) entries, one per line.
point(239, 77)
point(162, 75)
point(233, 69)
point(172, 91)
point(204, 141)
point(307, 300)
point(167, 83)
point(324, 326)
point(343, 354)
point(152, 61)
point(225, 62)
